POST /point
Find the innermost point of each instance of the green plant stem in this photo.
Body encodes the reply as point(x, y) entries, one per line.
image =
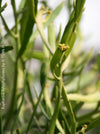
point(19, 109)
point(35, 108)
point(18, 37)
point(36, 55)
point(60, 127)
point(14, 8)
point(0, 109)
point(41, 107)
point(94, 123)
point(30, 93)
point(13, 99)
point(84, 98)
point(2, 8)
point(66, 123)
point(79, 80)
point(0, 3)
point(7, 28)
point(35, 119)
point(70, 110)
point(39, 23)
point(1, 131)
point(7, 34)
point(51, 78)
point(18, 131)
point(32, 102)
point(57, 106)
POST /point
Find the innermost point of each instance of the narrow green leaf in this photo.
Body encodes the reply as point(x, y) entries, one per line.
point(59, 127)
point(73, 21)
point(7, 34)
point(26, 30)
point(27, 23)
point(3, 7)
point(68, 32)
point(39, 23)
point(54, 14)
point(34, 112)
point(45, 51)
point(14, 7)
point(60, 57)
point(30, 93)
point(1, 130)
point(43, 75)
point(43, 79)
point(66, 123)
point(22, 4)
point(79, 7)
point(20, 106)
point(55, 67)
point(46, 115)
point(93, 124)
point(42, 107)
point(18, 131)
point(69, 29)
point(13, 98)
point(0, 3)
point(51, 36)
point(5, 49)
point(0, 92)
point(70, 110)
point(35, 54)
point(52, 17)
point(47, 99)
point(32, 8)
point(85, 98)
point(7, 28)
point(58, 36)
point(55, 114)
point(70, 44)
point(69, 37)
point(69, 5)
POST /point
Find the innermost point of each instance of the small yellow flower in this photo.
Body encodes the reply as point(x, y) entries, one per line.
point(45, 11)
point(54, 99)
point(63, 47)
point(84, 127)
point(42, 8)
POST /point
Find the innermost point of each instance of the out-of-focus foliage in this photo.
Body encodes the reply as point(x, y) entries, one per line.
point(62, 94)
